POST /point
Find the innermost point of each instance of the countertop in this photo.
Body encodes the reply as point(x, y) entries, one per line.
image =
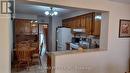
point(58, 53)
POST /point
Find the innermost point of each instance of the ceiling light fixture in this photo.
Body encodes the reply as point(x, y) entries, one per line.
point(98, 17)
point(34, 21)
point(51, 12)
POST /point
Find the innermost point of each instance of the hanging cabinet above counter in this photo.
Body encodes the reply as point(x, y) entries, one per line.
point(85, 21)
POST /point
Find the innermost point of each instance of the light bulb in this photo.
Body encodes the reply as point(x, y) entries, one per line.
point(55, 13)
point(31, 21)
point(36, 21)
point(51, 14)
point(47, 13)
point(98, 17)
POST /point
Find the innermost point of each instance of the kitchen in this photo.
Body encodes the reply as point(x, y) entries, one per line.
point(79, 32)
point(70, 29)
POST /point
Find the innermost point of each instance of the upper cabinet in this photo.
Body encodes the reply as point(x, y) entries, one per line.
point(24, 26)
point(34, 28)
point(83, 21)
point(97, 24)
point(86, 21)
point(89, 22)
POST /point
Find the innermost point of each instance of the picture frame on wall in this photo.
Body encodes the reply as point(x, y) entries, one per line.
point(124, 28)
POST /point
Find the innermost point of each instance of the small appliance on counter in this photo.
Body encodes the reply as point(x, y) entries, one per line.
point(93, 41)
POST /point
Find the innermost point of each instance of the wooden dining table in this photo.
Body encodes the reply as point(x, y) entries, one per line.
point(32, 50)
point(19, 58)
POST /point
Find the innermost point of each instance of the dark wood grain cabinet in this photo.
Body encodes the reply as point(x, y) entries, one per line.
point(25, 27)
point(86, 21)
point(22, 26)
point(82, 21)
point(89, 23)
point(97, 27)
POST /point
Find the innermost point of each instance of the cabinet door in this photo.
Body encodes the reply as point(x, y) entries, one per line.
point(34, 28)
point(27, 27)
point(97, 27)
point(82, 21)
point(88, 23)
point(22, 26)
point(71, 23)
point(77, 22)
point(65, 23)
point(19, 26)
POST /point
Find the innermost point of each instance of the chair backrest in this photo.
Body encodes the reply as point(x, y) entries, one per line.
point(23, 55)
point(22, 46)
point(34, 45)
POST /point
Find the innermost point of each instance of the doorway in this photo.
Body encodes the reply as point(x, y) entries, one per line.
point(30, 44)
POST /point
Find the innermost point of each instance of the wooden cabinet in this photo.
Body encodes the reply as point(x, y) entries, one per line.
point(82, 21)
point(34, 28)
point(86, 21)
point(22, 26)
point(77, 22)
point(27, 27)
point(96, 25)
point(89, 23)
point(96, 28)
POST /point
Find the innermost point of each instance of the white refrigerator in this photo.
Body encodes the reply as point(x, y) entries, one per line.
point(64, 35)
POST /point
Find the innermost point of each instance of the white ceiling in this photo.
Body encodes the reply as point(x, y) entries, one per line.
point(22, 8)
point(39, 9)
point(122, 1)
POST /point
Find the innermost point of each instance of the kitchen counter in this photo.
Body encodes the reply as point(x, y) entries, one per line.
point(58, 53)
point(52, 56)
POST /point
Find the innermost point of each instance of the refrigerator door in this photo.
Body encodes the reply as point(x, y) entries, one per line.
point(59, 40)
point(63, 36)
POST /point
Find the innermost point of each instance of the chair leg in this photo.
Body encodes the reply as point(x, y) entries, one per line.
point(16, 66)
point(28, 65)
point(39, 60)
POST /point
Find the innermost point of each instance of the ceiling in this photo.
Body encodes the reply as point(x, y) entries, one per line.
point(122, 1)
point(23, 8)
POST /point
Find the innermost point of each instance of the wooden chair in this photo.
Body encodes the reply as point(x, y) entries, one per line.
point(19, 46)
point(36, 53)
point(23, 57)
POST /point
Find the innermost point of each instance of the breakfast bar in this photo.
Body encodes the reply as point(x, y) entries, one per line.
point(57, 59)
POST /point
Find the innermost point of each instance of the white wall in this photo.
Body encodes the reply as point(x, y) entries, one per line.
point(115, 59)
point(6, 43)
